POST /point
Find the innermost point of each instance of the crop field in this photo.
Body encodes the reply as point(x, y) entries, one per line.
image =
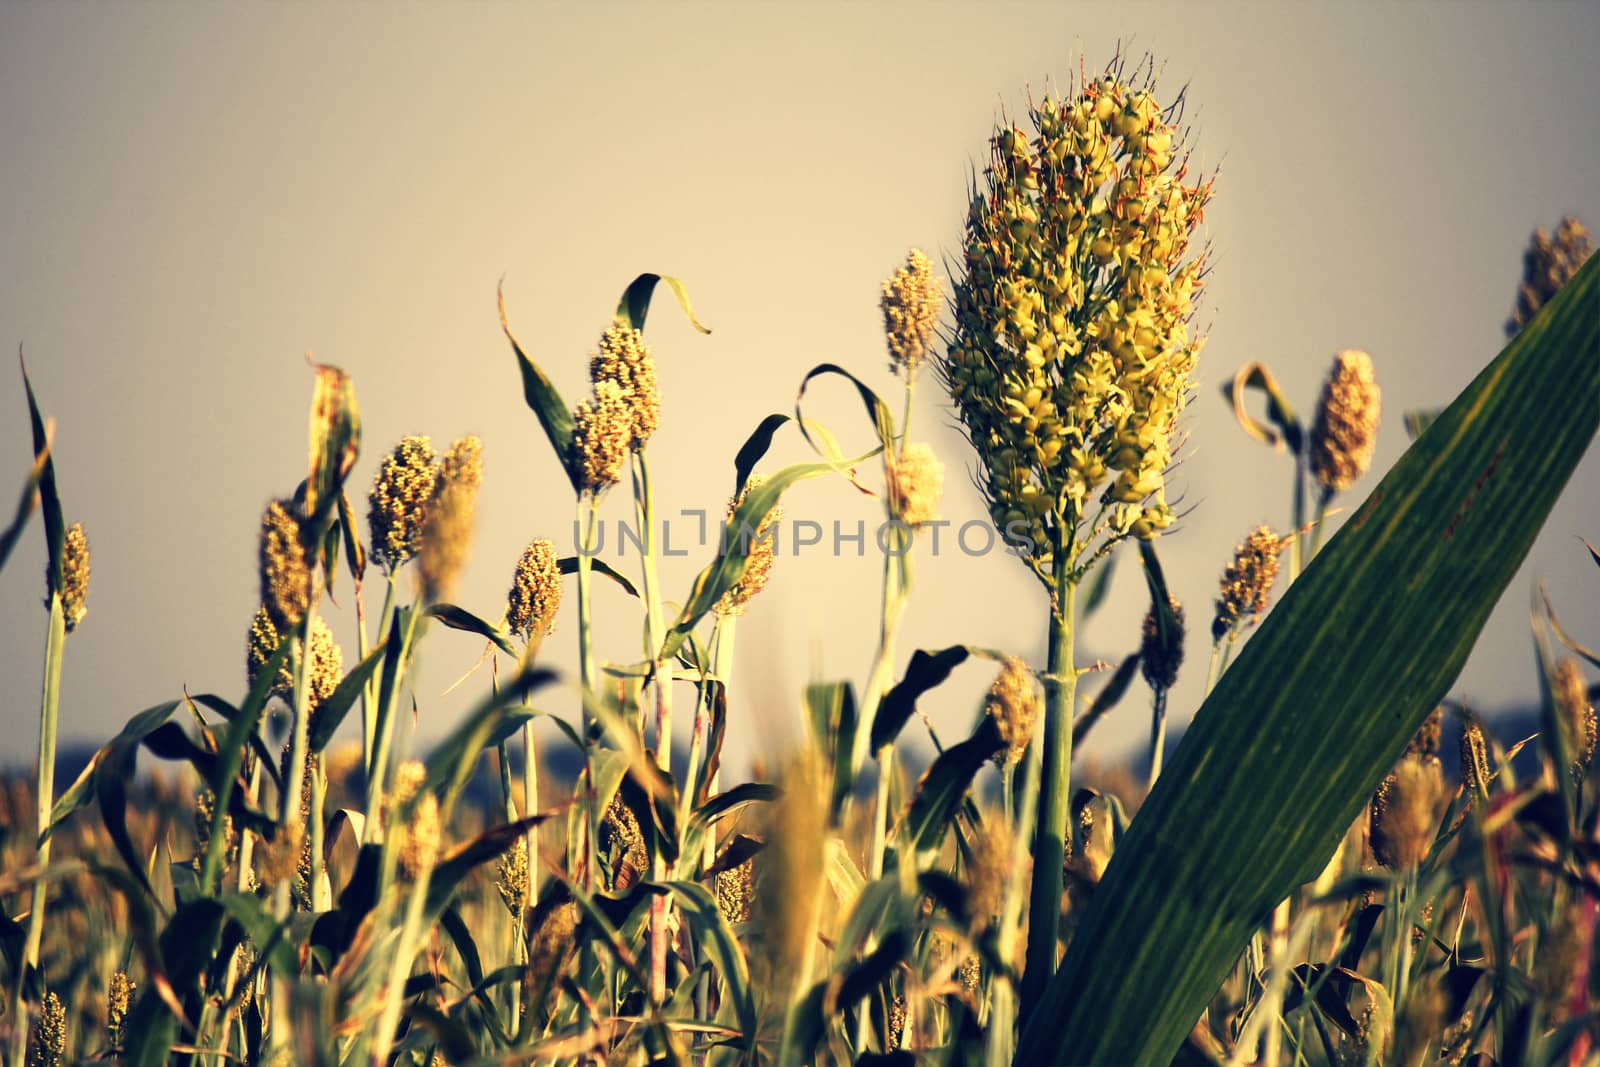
point(1336, 863)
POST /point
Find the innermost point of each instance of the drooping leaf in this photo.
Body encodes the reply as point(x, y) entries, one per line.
point(458, 618)
point(1391, 608)
point(634, 306)
point(544, 402)
point(1279, 411)
point(333, 710)
point(28, 499)
point(1110, 693)
point(754, 447)
point(354, 553)
point(925, 671)
point(944, 786)
point(569, 565)
point(877, 410)
point(335, 441)
point(55, 530)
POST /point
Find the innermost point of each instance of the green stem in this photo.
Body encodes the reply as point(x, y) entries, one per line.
point(378, 772)
point(1316, 525)
point(49, 709)
point(400, 970)
point(1000, 1028)
point(1158, 736)
point(321, 890)
point(1044, 908)
point(1295, 561)
point(369, 692)
point(1211, 669)
point(289, 815)
point(644, 510)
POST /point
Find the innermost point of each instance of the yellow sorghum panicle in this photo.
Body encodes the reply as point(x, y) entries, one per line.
point(1576, 714)
point(535, 591)
point(205, 809)
point(398, 502)
point(970, 974)
point(285, 566)
point(1247, 581)
point(1425, 742)
point(910, 304)
point(49, 1045)
point(987, 875)
point(1405, 812)
point(419, 835)
point(789, 877)
point(1072, 356)
point(554, 923)
point(74, 575)
point(602, 431)
point(1346, 427)
point(623, 843)
point(916, 482)
point(1547, 265)
point(1013, 702)
point(897, 1021)
point(324, 672)
point(511, 876)
point(1475, 772)
point(119, 996)
point(735, 890)
point(447, 534)
point(761, 545)
point(259, 647)
point(625, 359)
point(1160, 655)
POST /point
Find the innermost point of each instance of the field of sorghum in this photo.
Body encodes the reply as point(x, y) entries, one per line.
point(1301, 883)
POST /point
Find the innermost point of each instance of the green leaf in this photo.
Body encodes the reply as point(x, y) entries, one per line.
point(1391, 609)
point(925, 671)
point(451, 764)
point(944, 786)
point(354, 553)
point(453, 868)
point(569, 565)
point(877, 410)
point(754, 447)
point(333, 710)
point(1107, 698)
point(26, 502)
point(713, 936)
point(544, 402)
point(720, 807)
point(458, 618)
point(1279, 412)
point(635, 302)
point(55, 530)
point(834, 722)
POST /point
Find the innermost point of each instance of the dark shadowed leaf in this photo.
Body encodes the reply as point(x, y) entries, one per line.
point(569, 565)
point(634, 306)
point(544, 401)
point(925, 671)
point(461, 619)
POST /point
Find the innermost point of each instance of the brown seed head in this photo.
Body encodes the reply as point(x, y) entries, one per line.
point(463, 464)
point(324, 672)
point(602, 432)
point(1405, 812)
point(535, 592)
point(205, 809)
point(735, 891)
point(623, 843)
point(1247, 581)
point(285, 566)
point(625, 359)
point(119, 996)
point(761, 545)
point(1161, 654)
point(789, 879)
point(1576, 714)
point(1013, 702)
point(398, 502)
point(1346, 426)
point(49, 1045)
point(915, 482)
point(447, 534)
point(74, 576)
point(1425, 742)
point(910, 302)
point(511, 877)
point(1475, 770)
point(988, 874)
point(1547, 265)
point(419, 834)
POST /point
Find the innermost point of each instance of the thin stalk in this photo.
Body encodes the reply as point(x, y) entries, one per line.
point(1158, 735)
point(369, 692)
point(1212, 667)
point(321, 890)
point(661, 667)
point(508, 806)
point(1000, 1027)
point(1279, 954)
point(587, 510)
point(721, 652)
point(289, 815)
point(1316, 525)
point(1044, 908)
point(400, 969)
point(1295, 561)
point(49, 708)
point(378, 772)
point(530, 804)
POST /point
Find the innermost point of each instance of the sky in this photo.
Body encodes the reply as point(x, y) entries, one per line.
point(197, 197)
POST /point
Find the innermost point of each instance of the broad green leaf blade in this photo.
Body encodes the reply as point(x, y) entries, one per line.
point(459, 618)
point(754, 447)
point(634, 306)
point(714, 937)
point(333, 710)
point(1389, 610)
point(55, 530)
point(544, 401)
point(569, 565)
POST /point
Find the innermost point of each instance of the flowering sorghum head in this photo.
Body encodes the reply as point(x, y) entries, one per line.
point(910, 306)
point(1247, 581)
point(1072, 352)
point(535, 591)
point(324, 671)
point(602, 432)
point(1161, 653)
point(49, 1045)
point(761, 548)
point(1404, 812)
point(1346, 426)
point(625, 359)
point(447, 533)
point(1547, 265)
point(74, 575)
point(1013, 703)
point(285, 565)
point(1576, 714)
point(398, 502)
point(916, 482)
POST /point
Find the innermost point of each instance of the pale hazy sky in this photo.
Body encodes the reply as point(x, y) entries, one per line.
point(194, 196)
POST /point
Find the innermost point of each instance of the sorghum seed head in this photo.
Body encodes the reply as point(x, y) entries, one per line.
point(74, 576)
point(910, 302)
point(1425, 742)
point(1247, 581)
point(916, 482)
point(623, 842)
point(970, 974)
point(259, 647)
point(1404, 812)
point(1346, 426)
point(735, 890)
point(788, 879)
point(1575, 713)
point(447, 534)
point(285, 565)
point(988, 873)
point(897, 1021)
point(1547, 265)
point(119, 997)
point(1475, 771)
point(555, 924)
point(625, 359)
point(602, 431)
point(1013, 702)
point(420, 834)
point(205, 809)
point(535, 591)
point(1161, 654)
point(398, 502)
point(511, 876)
point(49, 1045)
point(324, 672)
point(761, 547)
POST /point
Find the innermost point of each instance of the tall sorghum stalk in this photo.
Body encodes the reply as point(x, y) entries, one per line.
point(1069, 366)
point(294, 777)
point(1013, 702)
